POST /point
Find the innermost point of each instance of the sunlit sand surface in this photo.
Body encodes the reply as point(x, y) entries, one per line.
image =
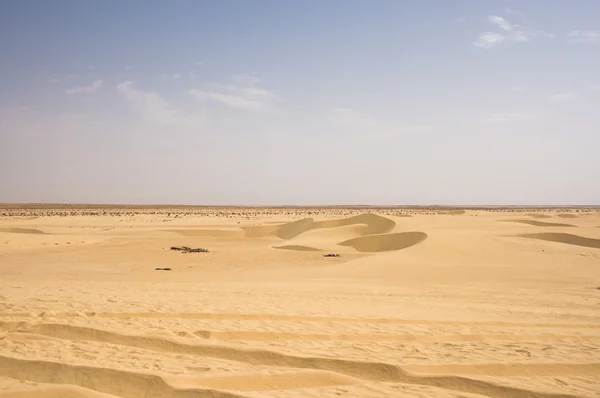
point(419, 302)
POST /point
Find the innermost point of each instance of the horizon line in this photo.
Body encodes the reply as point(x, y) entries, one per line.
point(50, 205)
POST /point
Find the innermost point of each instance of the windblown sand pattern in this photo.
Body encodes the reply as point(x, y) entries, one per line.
point(541, 223)
point(21, 230)
point(419, 303)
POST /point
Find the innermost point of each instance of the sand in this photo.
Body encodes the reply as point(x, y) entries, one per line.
point(420, 303)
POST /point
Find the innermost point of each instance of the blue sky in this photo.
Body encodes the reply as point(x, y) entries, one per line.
point(307, 102)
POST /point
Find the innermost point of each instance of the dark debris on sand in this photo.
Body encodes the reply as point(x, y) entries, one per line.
point(185, 249)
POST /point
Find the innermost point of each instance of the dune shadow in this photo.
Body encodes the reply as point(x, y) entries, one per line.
point(540, 223)
point(566, 215)
point(299, 248)
point(569, 239)
point(373, 224)
point(385, 242)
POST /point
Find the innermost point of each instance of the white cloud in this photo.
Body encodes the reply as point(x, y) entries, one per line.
point(584, 36)
point(489, 40)
point(507, 32)
point(93, 87)
point(595, 88)
point(246, 95)
point(152, 107)
point(562, 97)
point(502, 117)
point(501, 23)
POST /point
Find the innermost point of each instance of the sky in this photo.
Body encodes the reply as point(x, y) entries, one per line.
point(235, 102)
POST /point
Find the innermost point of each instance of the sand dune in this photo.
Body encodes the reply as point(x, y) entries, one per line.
point(364, 233)
point(386, 242)
point(569, 239)
point(332, 234)
point(540, 223)
point(538, 215)
point(325, 239)
point(293, 229)
point(567, 215)
point(261, 231)
point(373, 224)
point(446, 302)
point(310, 235)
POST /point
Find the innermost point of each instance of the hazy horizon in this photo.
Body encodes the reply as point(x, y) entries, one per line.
point(300, 103)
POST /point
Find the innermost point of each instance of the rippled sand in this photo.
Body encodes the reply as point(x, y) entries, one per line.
point(419, 302)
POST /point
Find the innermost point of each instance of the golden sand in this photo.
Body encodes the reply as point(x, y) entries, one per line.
point(419, 303)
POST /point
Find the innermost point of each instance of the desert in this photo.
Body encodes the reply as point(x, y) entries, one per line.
point(299, 199)
point(102, 301)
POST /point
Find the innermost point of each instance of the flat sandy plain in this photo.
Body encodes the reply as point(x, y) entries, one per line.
point(421, 302)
